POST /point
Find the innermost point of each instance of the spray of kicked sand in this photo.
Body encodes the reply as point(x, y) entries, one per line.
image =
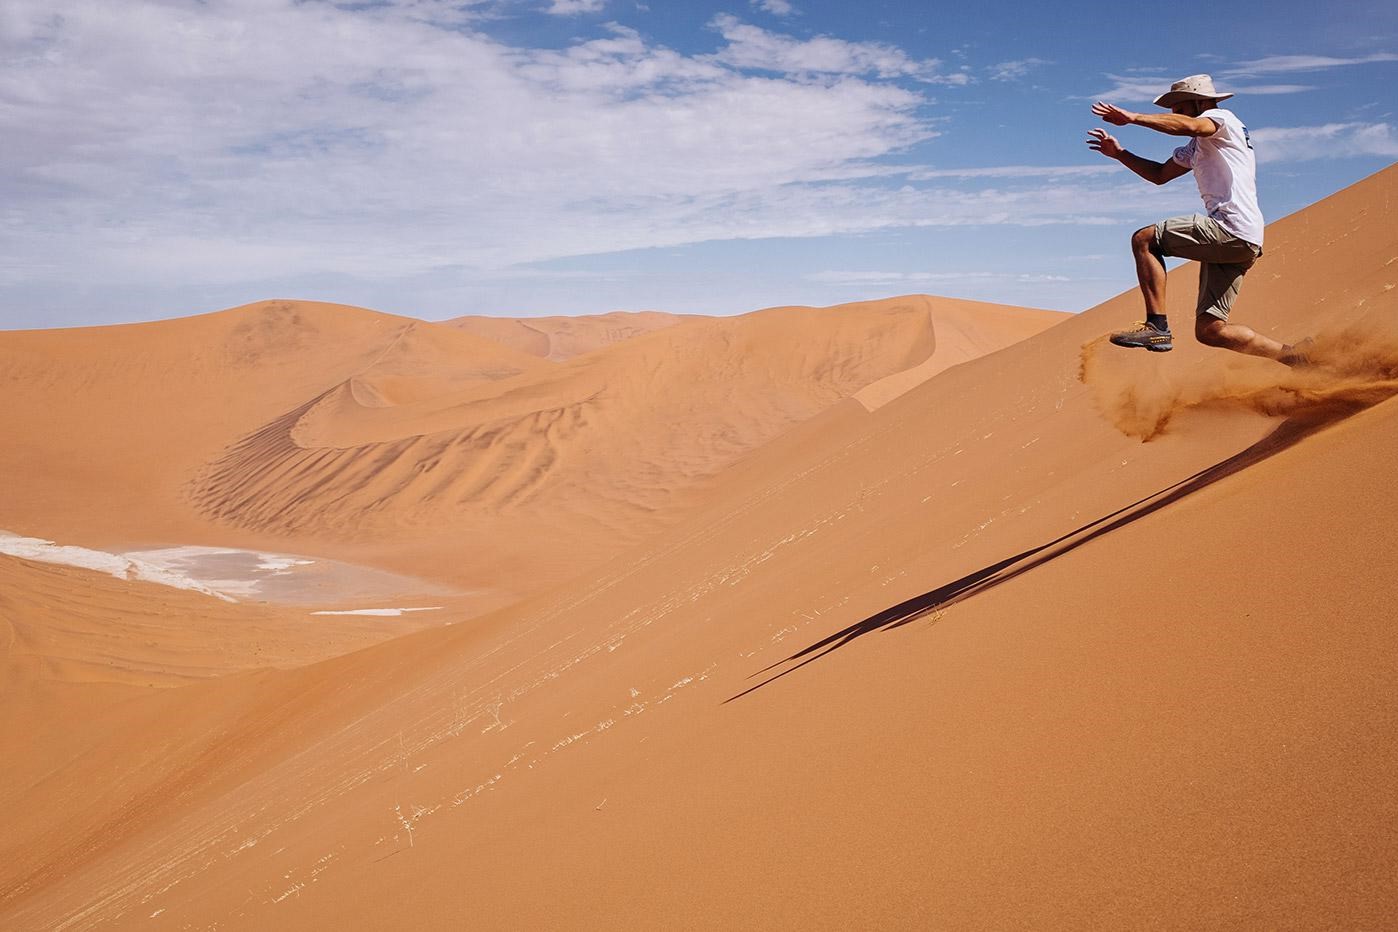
point(1351, 369)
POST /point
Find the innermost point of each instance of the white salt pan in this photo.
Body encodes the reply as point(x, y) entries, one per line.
point(232, 575)
point(115, 564)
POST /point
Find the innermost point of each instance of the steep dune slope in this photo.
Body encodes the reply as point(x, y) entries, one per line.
point(78, 644)
point(1013, 667)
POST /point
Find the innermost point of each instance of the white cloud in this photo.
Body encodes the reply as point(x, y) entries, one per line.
point(755, 48)
point(187, 144)
point(775, 7)
point(198, 139)
point(1014, 70)
point(575, 7)
point(1328, 141)
point(1283, 64)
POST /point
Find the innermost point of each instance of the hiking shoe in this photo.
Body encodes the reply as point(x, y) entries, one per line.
point(1157, 341)
point(1298, 355)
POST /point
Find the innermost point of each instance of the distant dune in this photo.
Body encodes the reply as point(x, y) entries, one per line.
point(406, 444)
point(914, 614)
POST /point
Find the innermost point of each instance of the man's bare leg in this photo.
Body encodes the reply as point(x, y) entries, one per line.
point(1239, 338)
point(1150, 270)
point(1155, 334)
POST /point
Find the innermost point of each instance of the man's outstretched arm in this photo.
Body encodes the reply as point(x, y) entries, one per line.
point(1173, 124)
point(1099, 140)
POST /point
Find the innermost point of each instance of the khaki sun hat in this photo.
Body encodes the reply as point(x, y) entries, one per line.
point(1194, 87)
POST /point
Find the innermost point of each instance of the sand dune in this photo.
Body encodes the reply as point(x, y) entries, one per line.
point(628, 428)
point(301, 401)
point(115, 419)
point(964, 652)
point(403, 444)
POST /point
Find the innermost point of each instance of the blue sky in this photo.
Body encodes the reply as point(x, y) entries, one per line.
point(434, 158)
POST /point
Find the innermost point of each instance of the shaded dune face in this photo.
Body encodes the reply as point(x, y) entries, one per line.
point(268, 481)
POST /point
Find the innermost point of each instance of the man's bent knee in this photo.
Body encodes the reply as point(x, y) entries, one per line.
point(1209, 330)
point(1143, 240)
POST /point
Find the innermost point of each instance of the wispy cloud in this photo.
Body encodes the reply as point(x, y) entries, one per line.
point(1286, 64)
point(775, 7)
point(1327, 141)
point(1014, 70)
point(754, 48)
point(575, 7)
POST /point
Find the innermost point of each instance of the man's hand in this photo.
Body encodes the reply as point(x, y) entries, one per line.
point(1114, 115)
point(1103, 142)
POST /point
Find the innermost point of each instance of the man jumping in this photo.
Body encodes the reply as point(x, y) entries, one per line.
point(1226, 242)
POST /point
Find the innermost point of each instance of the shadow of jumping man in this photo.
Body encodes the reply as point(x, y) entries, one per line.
point(1287, 434)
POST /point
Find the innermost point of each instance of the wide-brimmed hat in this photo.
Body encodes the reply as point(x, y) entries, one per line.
point(1194, 87)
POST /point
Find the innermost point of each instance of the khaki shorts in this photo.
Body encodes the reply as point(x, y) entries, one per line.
point(1223, 258)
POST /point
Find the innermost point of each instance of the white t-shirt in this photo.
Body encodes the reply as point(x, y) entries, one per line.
point(1226, 169)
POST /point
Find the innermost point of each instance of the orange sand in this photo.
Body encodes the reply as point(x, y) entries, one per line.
point(806, 638)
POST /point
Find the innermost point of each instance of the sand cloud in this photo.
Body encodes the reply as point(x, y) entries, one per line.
point(1356, 366)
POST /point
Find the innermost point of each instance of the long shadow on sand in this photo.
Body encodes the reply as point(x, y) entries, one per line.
point(1288, 434)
